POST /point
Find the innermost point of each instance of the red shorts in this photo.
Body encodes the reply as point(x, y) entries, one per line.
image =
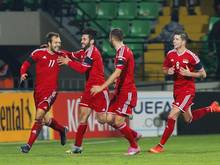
point(183, 101)
point(44, 100)
point(123, 103)
point(98, 103)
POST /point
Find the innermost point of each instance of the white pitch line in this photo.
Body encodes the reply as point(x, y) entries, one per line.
point(48, 141)
point(101, 142)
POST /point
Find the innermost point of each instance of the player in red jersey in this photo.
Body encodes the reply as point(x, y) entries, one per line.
point(90, 63)
point(45, 90)
point(185, 66)
point(125, 94)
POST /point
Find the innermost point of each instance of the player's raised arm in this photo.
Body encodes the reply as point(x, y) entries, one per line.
point(77, 66)
point(26, 64)
point(73, 55)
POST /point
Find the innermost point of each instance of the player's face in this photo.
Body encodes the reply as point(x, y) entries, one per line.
point(85, 41)
point(55, 44)
point(178, 42)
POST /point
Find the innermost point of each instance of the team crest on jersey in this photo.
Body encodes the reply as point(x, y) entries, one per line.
point(172, 60)
point(185, 61)
point(44, 57)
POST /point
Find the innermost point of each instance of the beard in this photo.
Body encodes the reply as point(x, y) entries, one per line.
point(86, 47)
point(55, 49)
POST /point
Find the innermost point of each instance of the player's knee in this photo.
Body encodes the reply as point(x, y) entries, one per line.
point(172, 116)
point(118, 122)
point(40, 121)
point(188, 120)
point(47, 121)
point(110, 119)
point(101, 121)
point(39, 118)
point(101, 118)
point(83, 120)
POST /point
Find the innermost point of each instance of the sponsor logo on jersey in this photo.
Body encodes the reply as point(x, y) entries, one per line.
point(185, 61)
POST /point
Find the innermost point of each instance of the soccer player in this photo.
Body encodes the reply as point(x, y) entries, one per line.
point(184, 66)
point(45, 90)
point(90, 62)
point(125, 94)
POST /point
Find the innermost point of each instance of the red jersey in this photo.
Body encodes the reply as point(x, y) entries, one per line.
point(90, 63)
point(47, 69)
point(187, 58)
point(124, 60)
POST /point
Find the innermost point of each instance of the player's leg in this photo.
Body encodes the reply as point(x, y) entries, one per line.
point(173, 115)
point(118, 122)
point(122, 104)
point(110, 120)
point(196, 114)
point(36, 128)
point(101, 117)
point(84, 113)
point(188, 116)
point(52, 123)
point(100, 103)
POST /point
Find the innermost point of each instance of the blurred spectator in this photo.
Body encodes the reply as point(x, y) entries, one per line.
point(214, 44)
point(166, 34)
point(54, 7)
point(18, 5)
point(189, 3)
point(6, 79)
point(217, 7)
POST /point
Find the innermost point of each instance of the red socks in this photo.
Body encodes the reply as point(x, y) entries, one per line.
point(199, 113)
point(126, 131)
point(134, 133)
point(36, 128)
point(168, 131)
point(79, 134)
point(55, 125)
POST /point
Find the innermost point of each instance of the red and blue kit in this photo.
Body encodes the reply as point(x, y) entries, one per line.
point(90, 62)
point(125, 94)
point(184, 87)
point(46, 83)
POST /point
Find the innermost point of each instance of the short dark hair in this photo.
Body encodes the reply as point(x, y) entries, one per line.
point(50, 35)
point(90, 32)
point(117, 33)
point(183, 35)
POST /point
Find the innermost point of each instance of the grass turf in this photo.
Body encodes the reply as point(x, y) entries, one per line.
point(180, 150)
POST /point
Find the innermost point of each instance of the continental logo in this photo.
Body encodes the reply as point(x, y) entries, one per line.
point(16, 112)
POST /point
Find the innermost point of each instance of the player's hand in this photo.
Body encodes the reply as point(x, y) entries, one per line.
point(95, 89)
point(63, 60)
point(171, 71)
point(24, 76)
point(185, 72)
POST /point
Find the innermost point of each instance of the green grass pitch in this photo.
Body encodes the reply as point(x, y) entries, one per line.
point(180, 150)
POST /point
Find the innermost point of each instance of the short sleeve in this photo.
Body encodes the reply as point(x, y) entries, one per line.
point(121, 59)
point(167, 63)
point(34, 57)
point(195, 61)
